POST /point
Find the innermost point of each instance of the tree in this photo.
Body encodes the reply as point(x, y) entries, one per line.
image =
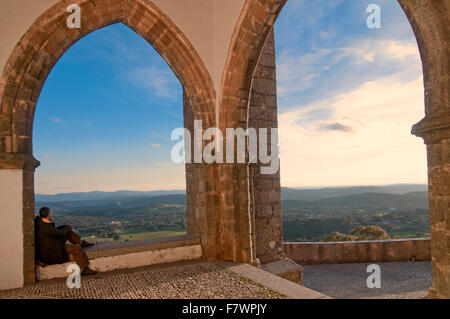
point(370, 233)
point(360, 233)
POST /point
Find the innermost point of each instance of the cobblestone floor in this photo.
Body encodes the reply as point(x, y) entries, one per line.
point(399, 280)
point(199, 279)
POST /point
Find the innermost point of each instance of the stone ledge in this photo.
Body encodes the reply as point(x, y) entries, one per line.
point(309, 253)
point(433, 128)
point(273, 282)
point(18, 161)
point(110, 249)
point(285, 268)
point(124, 255)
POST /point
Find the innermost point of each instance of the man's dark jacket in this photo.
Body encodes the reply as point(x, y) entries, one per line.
point(50, 242)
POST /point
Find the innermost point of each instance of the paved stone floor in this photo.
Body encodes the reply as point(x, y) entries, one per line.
point(202, 279)
point(197, 279)
point(400, 280)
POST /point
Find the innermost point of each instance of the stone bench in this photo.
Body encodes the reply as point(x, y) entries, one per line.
point(131, 254)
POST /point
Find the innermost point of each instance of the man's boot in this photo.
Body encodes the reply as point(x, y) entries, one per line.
point(85, 244)
point(88, 272)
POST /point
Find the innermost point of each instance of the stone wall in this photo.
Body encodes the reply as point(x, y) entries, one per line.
point(359, 251)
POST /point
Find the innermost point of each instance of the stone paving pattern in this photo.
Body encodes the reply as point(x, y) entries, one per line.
point(399, 280)
point(212, 280)
point(187, 280)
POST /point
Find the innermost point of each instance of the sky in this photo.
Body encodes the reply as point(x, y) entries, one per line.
point(347, 98)
point(348, 95)
point(105, 115)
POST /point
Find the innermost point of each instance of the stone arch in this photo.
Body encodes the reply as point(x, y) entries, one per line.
point(48, 38)
point(430, 21)
point(252, 29)
point(41, 47)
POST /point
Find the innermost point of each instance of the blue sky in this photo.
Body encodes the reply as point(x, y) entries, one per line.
point(106, 113)
point(347, 98)
point(315, 38)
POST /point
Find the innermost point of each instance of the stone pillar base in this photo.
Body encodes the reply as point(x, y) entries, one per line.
point(287, 269)
point(432, 294)
point(255, 263)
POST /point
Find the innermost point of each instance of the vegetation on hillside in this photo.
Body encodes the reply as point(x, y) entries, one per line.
point(360, 233)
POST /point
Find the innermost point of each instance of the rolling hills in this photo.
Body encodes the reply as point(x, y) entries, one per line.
point(308, 214)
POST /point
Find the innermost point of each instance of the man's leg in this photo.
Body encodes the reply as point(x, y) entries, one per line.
point(79, 255)
point(73, 238)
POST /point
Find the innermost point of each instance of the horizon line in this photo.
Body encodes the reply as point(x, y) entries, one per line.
point(184, 190)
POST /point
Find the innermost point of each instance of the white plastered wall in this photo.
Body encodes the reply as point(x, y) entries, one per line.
point(11, 230)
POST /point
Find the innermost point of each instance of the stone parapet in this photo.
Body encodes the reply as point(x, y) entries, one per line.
point(111, 249)
point(309, 253)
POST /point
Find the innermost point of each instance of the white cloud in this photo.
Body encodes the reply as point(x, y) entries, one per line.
point(161, 82)
point(336, 69)
point(371, 51)
point(57, 120)
point(378, 150)
point(154, 144)
point(295, 73)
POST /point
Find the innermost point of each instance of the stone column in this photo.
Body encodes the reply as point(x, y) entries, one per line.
point(202, 195)
point(266, 188)
point(436, 133)
point(217, 203)
point(188, 118)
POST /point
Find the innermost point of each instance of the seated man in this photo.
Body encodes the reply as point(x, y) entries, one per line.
point(51, 243)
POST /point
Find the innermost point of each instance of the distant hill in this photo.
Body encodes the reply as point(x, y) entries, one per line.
point(332, 192)
point(364, 200)
point(287, 193)
point(292, 199)
point(112, 202)
point(95, 195)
